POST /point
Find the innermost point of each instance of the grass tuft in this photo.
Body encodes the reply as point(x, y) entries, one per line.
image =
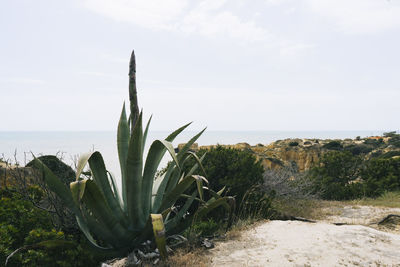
point(387, 199)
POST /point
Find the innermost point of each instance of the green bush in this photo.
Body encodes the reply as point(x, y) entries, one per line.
point(381, 175)
point(395, 141)
point(390, 154)
point(390, 134)
point(341, 175)
point(359, 149)
point(20, 214)
point(59, 168)
point(236, 169)
point(333, 145)
point(337, 176)
point(293, 143)
point(22, 224)
point(62, 217)
point(373, 142)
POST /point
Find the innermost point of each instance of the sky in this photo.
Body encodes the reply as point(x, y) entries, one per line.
point(260, 65)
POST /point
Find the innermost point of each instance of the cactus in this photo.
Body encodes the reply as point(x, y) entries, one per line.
point(117, 222)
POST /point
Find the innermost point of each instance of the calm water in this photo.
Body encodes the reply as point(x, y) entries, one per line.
point(71, 144)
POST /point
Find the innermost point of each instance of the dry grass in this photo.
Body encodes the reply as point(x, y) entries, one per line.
point(198, 256)
point(188, 257)
point(388, 199)
point(318, 209)
point(241, 226)
point(314, 209)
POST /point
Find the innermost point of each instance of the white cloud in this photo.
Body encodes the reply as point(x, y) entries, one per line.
point(115, 59)
point(211, 4)
point(154, 14)
point(207, 18)
point(293, 49)
point(19, 80)
point(102, 74)
point(222, 23)
point(276, 2)
point(359, 16)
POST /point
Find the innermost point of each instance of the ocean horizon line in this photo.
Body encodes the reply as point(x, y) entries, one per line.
point(196, 130)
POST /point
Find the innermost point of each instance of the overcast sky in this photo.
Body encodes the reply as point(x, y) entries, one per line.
point(230, 65)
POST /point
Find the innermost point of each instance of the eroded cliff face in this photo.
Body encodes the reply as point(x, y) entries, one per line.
point(277, 155)
point(305, 153)
point(301, 153)
point(280, 153)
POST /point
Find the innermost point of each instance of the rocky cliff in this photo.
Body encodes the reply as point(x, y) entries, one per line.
point(305, 153)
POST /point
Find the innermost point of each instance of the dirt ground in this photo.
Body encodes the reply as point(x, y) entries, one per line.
point(359, 242)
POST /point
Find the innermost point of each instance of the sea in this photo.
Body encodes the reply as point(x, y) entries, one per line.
point(18, 147)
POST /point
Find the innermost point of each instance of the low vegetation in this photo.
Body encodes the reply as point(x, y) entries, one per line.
point(342, 175)
point(22, 225)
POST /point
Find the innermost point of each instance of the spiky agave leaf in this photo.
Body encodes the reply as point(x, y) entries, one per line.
point(123, 223)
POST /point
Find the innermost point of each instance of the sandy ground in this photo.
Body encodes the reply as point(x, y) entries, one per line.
point(362, 215)
point(295, 243)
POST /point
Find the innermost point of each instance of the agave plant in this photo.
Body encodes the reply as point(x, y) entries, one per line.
point(119, 221)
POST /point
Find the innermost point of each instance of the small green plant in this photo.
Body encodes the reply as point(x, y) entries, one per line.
point(256, 204)
point(293, 143)
point(205, 228)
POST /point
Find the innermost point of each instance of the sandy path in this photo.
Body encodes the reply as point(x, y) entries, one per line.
point(294, 243)
point(362, 215)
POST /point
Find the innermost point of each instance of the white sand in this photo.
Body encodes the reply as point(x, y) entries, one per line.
point(294, 243)
point(363, 215)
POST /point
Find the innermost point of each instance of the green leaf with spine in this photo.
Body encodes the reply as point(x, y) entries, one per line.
point(117, 224)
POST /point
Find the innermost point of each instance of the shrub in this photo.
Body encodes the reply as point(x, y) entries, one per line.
point(72, 254)
point(390, 134)
point(59, 168)
point(236, 169)
point(62, 217)
point(20, 214)
point(381, 175)
point(22, 224)
point(390, 154)
point(333, 145)
point(337, 176)
point(293, 143)
point(256, 204)
point(395, 141)
point(359, 149)
point(288, 182)
point(204, 228)
point(373, 142)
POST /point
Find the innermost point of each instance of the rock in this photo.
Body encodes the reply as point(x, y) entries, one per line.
point(193, 147)
point(304, 153)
